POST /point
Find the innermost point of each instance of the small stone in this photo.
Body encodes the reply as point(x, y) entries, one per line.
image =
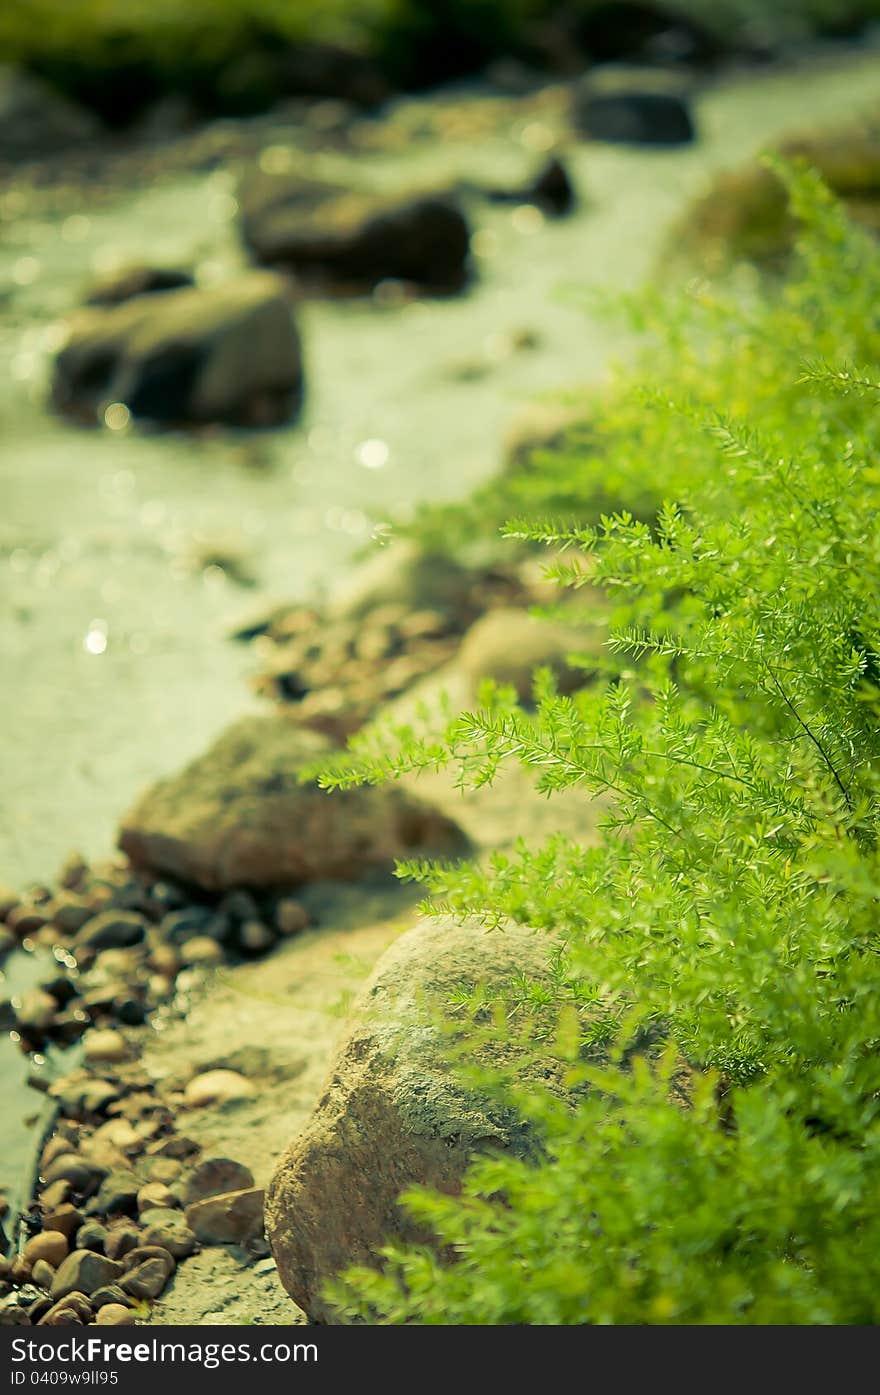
point(42, 1274)
point(240, 905)
point(118, 1195)
point(26, 920)
point(14, 1316)
point(165, 1170)
point(217, 1087)
point(110, 1293)
point(56, 1147)
point(291, 917)
point(121, 1241)
point(74, 872)
point(201, 950)
point(70, 913)
point(50, 1246)
point(177, 1146)
point(83, 1272)
point(73, 1307)
point(171, 1234)
point(92, 1236)
point(182, 925)
point(214, 1176)
point(112, 930)
point(39, 1307)
point(147, 1280)
point(230, 1218)
point(20, 1271)
point(64, 1220)
point(55, 1196)
point(254, 937)
point(154, 1194)
point(83, 1176)
point(115, 1315)
point(165, 960)
point(153, 1252)
point(104, 1045)
point(35, 1011)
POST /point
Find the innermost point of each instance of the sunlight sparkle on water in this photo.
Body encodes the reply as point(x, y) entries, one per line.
point(373, 454)
point(95, 641)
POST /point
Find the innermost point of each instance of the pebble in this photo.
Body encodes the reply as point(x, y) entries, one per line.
point(112, 930)
point(35, 1010)
point(291, 917)
point(213, 1176)
point(92, 1236)
point(20, 1270)
point(104, 1045)
point(154, 1194)
point(231, 1218)
point(49, 1246)
point(64, 1219)
point(74, 1307)
point(117, 1195)
point(70, 913)
point(42, 1274)
point(83, 1272)
point(121, 1241)
point(115, 1315)
point(201, 949)
point(254, 937)
point(56, 1147)
point(165, 1170)
point(171, 1234)
point(147, 1281)
point(110, 1293)
point(26, 920)
point(217, 1087)
point(165, 960)
point(81, 1175)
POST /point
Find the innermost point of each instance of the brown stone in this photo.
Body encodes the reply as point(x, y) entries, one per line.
point(393, 1113)
point(239, 816)
point(115, 1315)
point(50, 1246)
point(232, 1218)
point(83, 1272)
point(212, 1176)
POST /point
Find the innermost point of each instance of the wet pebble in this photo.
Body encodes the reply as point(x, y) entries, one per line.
point(104, 1045)
point(213, 1176)
point(49, 1246)
point(217, 1087)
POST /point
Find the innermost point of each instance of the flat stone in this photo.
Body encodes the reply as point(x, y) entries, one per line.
point(240, 816)
point(212, 1176)
point(218, 1087)
point(230, 1218)
point(83, 1272)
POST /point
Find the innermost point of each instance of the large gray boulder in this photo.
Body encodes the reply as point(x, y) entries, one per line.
point(230, 354)
point(239, 816)
point(393, 1112)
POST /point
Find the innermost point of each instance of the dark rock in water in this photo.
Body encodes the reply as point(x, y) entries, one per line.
point(36, 120)
point(239, 816)
point(229, 354)
point(355, 240)
point(633, 31)
point(137, 280)
point(633, 108)
point(551, 190)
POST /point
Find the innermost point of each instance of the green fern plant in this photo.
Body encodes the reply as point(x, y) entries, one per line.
point(725, 929)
